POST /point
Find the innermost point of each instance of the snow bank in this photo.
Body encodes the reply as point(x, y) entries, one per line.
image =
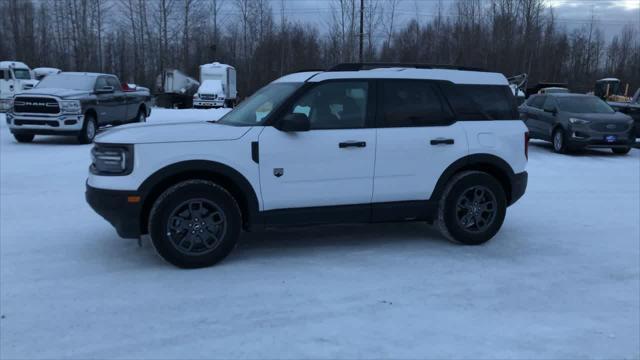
point(561, 280)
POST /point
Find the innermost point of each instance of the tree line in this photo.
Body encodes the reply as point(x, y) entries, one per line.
point(137, 39)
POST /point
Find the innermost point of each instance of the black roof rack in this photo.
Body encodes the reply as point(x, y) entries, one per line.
point(374, 65)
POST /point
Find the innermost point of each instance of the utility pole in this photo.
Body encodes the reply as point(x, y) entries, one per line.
point(361, 27)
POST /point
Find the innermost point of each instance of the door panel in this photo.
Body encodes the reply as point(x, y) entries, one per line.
point(408, 165)
point(313, 169)
point(332, 163)
point(416, 140)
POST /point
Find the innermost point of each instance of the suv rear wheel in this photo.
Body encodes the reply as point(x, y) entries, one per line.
point(194, 224)
point(472, 208)
point(24, 138)
point(89, 129)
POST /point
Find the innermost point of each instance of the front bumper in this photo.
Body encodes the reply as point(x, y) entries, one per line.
point(518, 186)
point(208, 103)
point(64, 124)
point(581, 136)
point(116, 207)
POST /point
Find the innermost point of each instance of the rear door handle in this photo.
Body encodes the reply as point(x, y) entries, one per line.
point(442, 142)
point(347, 144)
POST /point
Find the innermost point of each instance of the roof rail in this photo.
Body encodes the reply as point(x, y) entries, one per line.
point(375, 65)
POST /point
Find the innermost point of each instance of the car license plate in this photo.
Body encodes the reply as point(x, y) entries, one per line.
point(610, 138)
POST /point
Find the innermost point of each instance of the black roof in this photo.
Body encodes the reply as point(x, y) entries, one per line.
point(376, 65)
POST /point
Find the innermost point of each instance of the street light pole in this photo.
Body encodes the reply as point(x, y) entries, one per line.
point(361, 27)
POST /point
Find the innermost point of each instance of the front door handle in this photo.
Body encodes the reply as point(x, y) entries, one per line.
point(347, 144)
point(441, 141)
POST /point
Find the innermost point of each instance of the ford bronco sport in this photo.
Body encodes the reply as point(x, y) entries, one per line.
point(356, 143)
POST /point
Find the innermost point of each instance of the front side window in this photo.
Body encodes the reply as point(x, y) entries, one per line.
point(101, 82)
point(335, 105)
point(22, 74)
point(261, 104)
point(407, 103)
point(584, 105)
point(549, 104)
point(536, 101)
point(111, 81)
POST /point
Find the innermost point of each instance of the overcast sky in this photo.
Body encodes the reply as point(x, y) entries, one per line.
point(612, 15)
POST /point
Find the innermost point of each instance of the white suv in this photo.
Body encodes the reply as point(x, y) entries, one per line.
point(357, 143)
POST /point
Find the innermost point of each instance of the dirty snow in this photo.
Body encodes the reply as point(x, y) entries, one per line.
point(561, 279)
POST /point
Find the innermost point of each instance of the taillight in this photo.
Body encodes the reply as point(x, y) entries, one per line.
point(526, 145)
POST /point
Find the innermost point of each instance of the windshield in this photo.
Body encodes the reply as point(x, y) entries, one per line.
point(67, 81)
point(255, 109)
point(22, 74)
point(584, 105)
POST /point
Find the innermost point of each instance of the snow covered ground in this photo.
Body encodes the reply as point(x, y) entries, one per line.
point(561, 280)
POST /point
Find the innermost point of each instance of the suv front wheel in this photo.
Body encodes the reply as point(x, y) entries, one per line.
point(89, 130)
point(472, 208)
point(195, 223)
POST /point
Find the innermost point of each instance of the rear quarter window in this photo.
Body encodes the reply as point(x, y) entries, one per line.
point(481, 102)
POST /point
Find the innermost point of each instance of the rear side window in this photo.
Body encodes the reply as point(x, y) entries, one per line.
point(481, 102)
point(407, 103)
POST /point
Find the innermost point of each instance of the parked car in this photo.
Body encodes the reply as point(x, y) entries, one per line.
point(399, 143)
point(76, 104)
point(553, 90)
point(573, 121)
point(631, 108)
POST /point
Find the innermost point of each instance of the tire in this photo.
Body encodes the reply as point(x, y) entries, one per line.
point(142, 116)
point(453, 210)
point(621, 151)
point(203, 208)
point(24, 138)
point(559, 141)
point(89, 130)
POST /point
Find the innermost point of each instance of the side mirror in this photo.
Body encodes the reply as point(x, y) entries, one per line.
point(105, 90)
point(293, 122)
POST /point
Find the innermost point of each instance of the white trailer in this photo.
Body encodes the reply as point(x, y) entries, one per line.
point(175, 89)
point(14, 77)
point(217, 86)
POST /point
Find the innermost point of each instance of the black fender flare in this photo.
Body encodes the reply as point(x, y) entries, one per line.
point(488, 163)
point(227, 177)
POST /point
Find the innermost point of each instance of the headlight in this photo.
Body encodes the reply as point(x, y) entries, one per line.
point(70, 106)
point(107, 159)
point(578, 121)
point(6, 104)
point(196, 96)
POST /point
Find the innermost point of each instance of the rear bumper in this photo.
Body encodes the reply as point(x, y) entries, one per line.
point(114, 206)
point(518, 186)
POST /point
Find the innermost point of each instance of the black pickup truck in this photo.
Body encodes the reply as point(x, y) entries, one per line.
point(77, 104)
